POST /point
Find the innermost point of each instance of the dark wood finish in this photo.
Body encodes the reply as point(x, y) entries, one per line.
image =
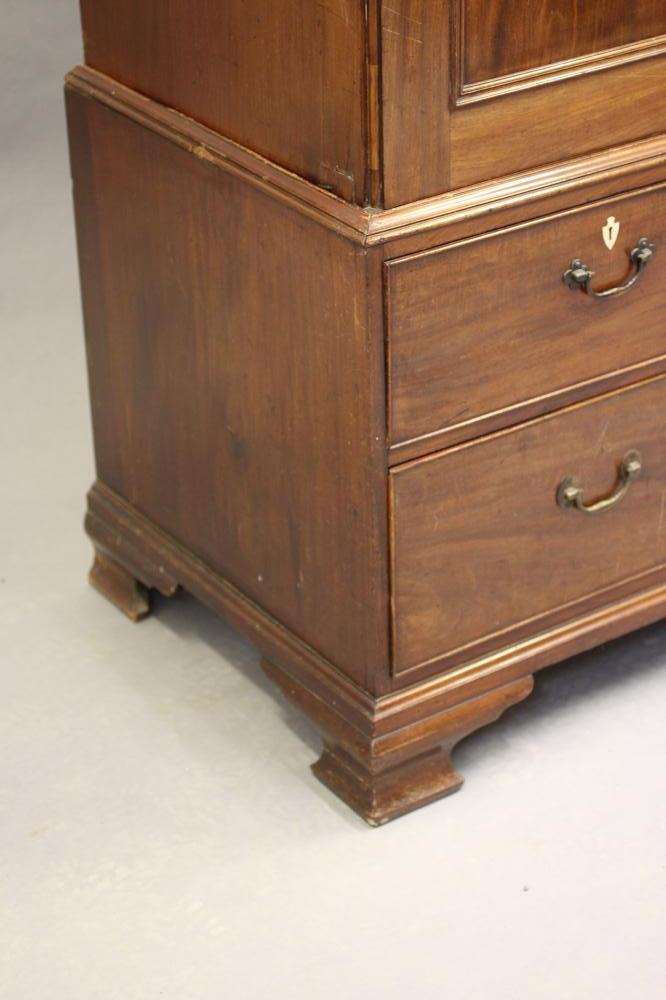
point(503, 39)
point(415, 76)
point(370, 101)
point(387, 776)
point(408, 228)
point(287, 78)
point(204, 300)
point(450, 144)
point(246, 319)
point(352, 720)
point(484, 330)
point(556, 122)
point(482, 553)
point(115, 583)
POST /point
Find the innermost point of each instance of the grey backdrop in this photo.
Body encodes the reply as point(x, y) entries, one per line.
point(160, 833)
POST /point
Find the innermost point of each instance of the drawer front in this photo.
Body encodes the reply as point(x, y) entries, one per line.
point(483, 552)
point(485, 332)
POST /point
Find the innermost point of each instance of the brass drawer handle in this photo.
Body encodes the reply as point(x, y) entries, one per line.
point(570, 491)
point(580, 277)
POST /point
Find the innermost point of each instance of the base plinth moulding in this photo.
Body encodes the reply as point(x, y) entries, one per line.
point(118, 585)
point(384, 775)
point(385, 752)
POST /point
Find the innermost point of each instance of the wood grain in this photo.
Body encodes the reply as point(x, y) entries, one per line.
point(286, 78)
point(401, 742)
point(415, 76)
point(502, 37)
point(482, 553)
point(407, 228)
point(562, 120)
point(236, 381)
point(485, 327)
point(318, 239)
point(431, 145)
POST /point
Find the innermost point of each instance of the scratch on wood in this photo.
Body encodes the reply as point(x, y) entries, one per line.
point(602, 437)
point(409, 38)
point(392, 10)
point(330, 8)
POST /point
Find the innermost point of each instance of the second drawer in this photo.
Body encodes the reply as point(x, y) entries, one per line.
point(485, 333)
point(489, 546)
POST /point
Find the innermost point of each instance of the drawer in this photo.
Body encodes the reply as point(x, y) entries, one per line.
point(484, 554)
point(485, 333)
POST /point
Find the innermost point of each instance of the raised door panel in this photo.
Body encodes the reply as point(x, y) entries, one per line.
point(474, 91)
point(502, 38)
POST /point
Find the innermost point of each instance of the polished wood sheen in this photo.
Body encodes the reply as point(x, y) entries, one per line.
point(483, 554)
point(203, 301)
point(261, 73)
point(482, 330)
point(440, 134)
point(340, 391)
point(369, 100)
point(504, 37)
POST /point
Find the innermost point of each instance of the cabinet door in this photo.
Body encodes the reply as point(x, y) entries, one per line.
point(477, 89)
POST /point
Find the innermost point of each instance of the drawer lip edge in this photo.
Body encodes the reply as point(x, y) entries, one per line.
point(487, 645)
point(518, 426)
point(609, 621)
point(514, 415)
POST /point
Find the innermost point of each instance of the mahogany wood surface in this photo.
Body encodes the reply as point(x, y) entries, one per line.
point(387, 776)
point(370, 100)
point(119, 586)
point(374, 731)
point(485, 326)
point(237, 392)
point(336, 378)
point(408, 228)
point(287, 78)
point(434, 141)
point(503, 38)
point(482, 552)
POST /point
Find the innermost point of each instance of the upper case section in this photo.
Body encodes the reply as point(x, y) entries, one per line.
point(410, 98)
point(285, 78)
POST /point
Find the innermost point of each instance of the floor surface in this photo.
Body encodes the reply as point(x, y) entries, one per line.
point(161, 835)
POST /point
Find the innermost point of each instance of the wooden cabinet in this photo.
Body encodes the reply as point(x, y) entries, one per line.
point(374, 309)
point(412, 97)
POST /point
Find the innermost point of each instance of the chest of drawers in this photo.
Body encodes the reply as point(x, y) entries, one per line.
point(374, 308)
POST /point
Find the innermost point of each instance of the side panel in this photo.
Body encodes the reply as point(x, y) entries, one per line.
point(285, 78)
point(236, 374)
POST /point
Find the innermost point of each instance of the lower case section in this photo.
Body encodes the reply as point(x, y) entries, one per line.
point(382, 777)
point(382, 755)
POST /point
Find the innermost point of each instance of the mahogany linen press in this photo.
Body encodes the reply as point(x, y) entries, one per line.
point(374, 308)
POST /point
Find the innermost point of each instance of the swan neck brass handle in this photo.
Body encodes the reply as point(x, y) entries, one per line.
point(579, 276)
point(570, 491)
